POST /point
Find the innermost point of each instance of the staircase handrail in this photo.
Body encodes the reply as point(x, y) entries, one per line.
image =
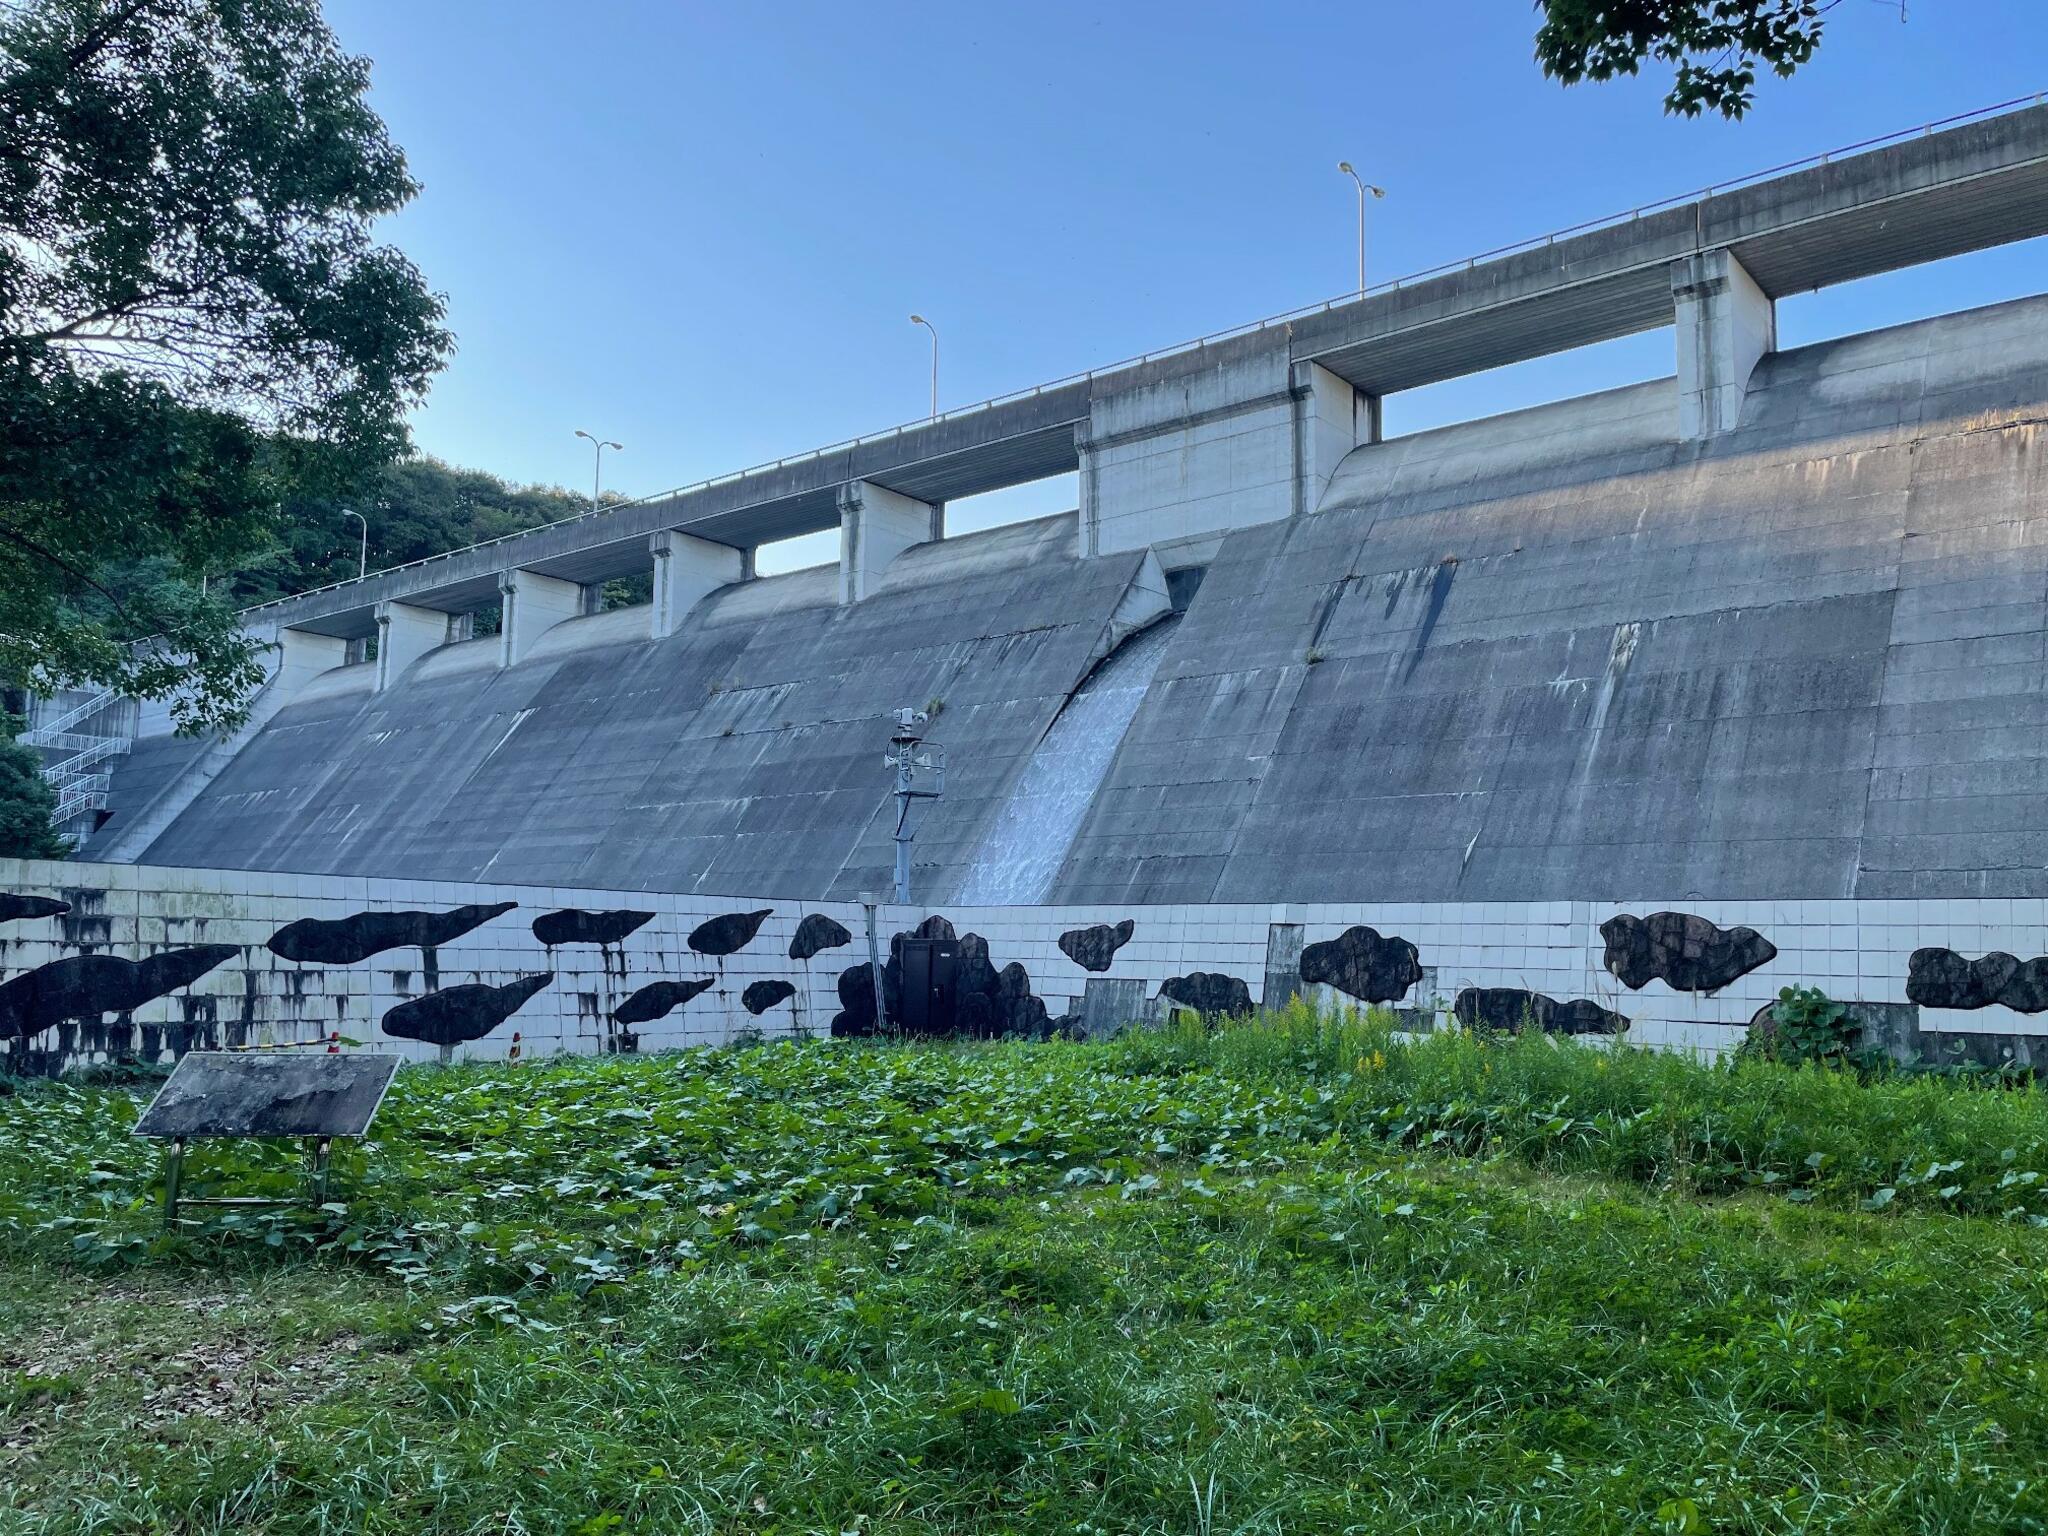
point(70, 717)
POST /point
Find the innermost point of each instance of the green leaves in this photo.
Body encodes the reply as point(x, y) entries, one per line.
point(586, 1175)
point(26, 801)
point(1035, 1287)
point(193, 320)
point(1804, 1025)
point(1715, 46)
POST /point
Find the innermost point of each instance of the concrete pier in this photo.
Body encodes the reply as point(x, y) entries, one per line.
point(1725, 324)
point(875, 526)
point(686, 571)
point(303, 656)
point(404, 635)
point(533, 605)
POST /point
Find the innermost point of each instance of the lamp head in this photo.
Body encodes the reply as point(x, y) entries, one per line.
point(1345, 167)
point(1376, 191)
point(919, 320)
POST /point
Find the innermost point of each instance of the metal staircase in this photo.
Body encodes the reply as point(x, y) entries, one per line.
point(78, 775)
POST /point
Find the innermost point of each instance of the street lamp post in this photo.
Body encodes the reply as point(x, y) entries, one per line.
point(1363, 188)
point(920, 320)
point(597, 475)
point(363, 553)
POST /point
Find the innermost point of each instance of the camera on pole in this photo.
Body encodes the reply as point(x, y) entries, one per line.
point(920, 775)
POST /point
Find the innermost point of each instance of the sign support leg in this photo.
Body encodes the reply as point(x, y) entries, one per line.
point(174, 1174)
point(322, 1148)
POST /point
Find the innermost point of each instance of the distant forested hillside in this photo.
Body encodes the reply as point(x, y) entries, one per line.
point(415, 508)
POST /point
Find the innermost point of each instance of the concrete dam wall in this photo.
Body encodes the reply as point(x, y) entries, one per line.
point(741, 754)
point(1562, 654)
point(1567, 654)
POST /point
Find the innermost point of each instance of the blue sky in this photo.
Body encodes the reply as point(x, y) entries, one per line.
point(701, 230)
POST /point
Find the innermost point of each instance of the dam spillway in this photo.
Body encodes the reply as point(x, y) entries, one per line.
point(1029, 835)
point(1628, 709)
point(1831, 684)
point(1833, 627)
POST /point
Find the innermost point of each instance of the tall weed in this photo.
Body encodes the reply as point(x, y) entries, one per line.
point(1656, 1117)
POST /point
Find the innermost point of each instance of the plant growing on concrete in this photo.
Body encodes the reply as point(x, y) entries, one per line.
point(1803, 1025)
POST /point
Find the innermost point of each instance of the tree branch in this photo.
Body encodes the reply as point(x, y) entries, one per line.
point(22, 541)
point(97, 38)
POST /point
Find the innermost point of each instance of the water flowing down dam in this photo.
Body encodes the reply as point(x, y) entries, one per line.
point(1027, 841)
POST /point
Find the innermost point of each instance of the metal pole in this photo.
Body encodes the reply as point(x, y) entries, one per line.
point(597, 473)
point(1361, 238)
point(174, 1174)
point(363, 553)
point(910, 754)
point(903, 832)
point(1364, 187)
point(323, 1147)
point(920, 320)
point(875, 965)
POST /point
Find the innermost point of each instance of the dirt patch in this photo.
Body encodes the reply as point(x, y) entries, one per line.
point(198, 1364)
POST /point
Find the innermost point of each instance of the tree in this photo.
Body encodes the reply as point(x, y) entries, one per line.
point(26, 801)
point(194, 324)
point(416, 507)
point(1715, 46)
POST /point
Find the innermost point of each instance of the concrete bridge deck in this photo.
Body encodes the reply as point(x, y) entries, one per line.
point(1944, 192)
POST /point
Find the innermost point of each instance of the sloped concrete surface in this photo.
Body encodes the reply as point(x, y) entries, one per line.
point(1560, 654)
point(1555, 655)
point(741, 754)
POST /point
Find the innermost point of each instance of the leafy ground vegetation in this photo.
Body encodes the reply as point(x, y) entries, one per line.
point(1292, 1276)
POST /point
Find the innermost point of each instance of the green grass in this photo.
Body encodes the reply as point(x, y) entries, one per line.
point(1291, 1277)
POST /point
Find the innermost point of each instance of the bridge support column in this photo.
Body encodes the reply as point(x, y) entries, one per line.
point(530, 605)
point(404, 635)
point(303, 656)
point(875, 526)
point(1330, 419)
point(688, 569)
point(1725, 324)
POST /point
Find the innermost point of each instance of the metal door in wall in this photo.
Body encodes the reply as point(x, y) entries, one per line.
point(931, 975)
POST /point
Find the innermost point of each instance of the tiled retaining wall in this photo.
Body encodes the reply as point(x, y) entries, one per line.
point(1856, 951)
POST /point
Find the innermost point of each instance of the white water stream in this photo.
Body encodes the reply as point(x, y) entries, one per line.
point(1021, 853)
